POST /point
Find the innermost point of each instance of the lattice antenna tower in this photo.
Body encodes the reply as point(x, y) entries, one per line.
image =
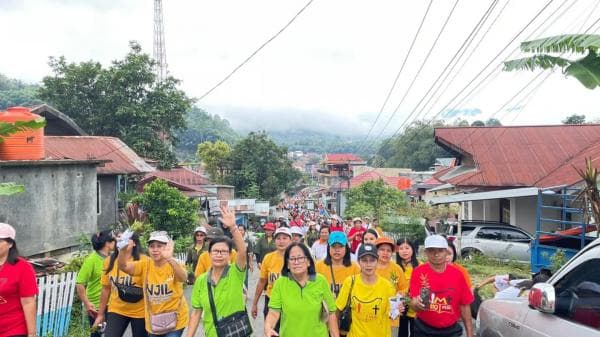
point(160, 54)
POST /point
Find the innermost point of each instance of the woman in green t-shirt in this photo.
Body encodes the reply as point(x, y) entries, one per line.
point(302, 298)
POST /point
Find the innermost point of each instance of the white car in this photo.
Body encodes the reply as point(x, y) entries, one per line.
point(567, 305)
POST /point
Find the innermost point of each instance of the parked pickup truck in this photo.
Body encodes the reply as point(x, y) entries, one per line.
point(567, 305)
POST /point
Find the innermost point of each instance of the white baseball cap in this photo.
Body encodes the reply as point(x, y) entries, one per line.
point(297, 230)
point(436, 241)
point(7, 231)
point(160, 236)
point(283, 230)
point(200, 229)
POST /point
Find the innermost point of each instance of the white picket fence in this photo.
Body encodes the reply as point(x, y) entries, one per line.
point(181, 257)
point(54, 303)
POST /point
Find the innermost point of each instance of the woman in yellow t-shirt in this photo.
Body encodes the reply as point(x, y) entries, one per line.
point(391, 271)
point(163, 277)
point(337, 266)
point(121, 313)
point(406, 258)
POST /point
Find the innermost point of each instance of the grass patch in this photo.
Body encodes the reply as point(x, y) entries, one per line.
point(481, 267)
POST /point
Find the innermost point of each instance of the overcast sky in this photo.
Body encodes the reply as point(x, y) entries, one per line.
point(330, 70)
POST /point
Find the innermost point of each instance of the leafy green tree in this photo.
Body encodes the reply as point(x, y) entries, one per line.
point(574, 119)
point(585, 69)
point(168, 209)
point(123, 100)
point(16, 93)
point(260, 169)
point(461, 122)
point(375, 199)
point(201, 127)
point(478, 123)
point(415, 148)
point(215, 157)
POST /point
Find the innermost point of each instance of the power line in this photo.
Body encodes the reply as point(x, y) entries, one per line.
point(451, 64)
point(484, 68)
point(398, 74)
point(420, 69)
point(256, 51)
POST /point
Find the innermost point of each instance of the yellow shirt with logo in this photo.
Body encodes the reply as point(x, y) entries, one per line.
point(270, 269)
point(115, 304)
point(394, 273)
point(370, 306)
point(163, 293)
point(204, 262)
point(340, 273)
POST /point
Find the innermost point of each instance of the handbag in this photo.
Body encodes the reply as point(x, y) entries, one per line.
point(128, 293)
point(345, 319)
point(163, 322)
point(234, 325)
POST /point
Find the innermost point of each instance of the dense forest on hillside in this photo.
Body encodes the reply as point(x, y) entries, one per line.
point(14, 92)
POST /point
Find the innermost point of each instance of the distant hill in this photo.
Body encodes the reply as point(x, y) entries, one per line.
point(317, 141)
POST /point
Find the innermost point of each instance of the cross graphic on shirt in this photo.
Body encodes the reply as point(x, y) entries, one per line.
point(375, 309)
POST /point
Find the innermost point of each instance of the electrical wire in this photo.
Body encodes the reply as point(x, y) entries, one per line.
point(397, 75)
point(256, 51)
point(420, 68)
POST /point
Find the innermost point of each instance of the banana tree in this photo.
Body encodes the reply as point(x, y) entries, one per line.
point(585, 69)
point(589, 196)
point(7, 129)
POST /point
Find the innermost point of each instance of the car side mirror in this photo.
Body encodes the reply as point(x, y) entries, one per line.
point(542, 297)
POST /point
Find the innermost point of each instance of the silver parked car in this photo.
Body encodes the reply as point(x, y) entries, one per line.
point(494, 239)
point(567, 305)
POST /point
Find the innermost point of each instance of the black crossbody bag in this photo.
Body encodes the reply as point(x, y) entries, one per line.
point(128, 293)
point(345, 319)
point(234, 325)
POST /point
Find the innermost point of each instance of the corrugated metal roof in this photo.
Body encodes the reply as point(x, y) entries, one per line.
point(188, 190)
point(123, 160)
point(181, 175)
point(373, 175)
point(342, 158)
point(517, 156)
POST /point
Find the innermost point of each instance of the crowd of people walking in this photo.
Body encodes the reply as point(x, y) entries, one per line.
point(320, 277)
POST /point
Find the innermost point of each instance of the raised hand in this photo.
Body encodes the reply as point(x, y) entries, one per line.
point(167, 252)
point(227, 217)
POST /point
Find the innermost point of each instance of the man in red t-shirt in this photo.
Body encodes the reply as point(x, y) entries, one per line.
point(439, 294)
point(355, 234)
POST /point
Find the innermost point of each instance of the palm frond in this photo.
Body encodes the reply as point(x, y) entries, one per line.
point(586, 70)
point(570, 43)
point(10, 189)
point(542, 61)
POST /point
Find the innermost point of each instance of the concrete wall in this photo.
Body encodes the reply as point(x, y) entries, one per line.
point(57, 207)
point(108, 201)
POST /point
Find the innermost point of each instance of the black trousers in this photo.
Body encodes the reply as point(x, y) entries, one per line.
point(117, 324)
point(424, 330)
point(407, 326)
point(266, 311)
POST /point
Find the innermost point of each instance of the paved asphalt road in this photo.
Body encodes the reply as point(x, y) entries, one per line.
point(257, 324)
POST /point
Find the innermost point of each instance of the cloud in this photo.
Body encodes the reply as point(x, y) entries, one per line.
point(251, 119)
point(461, 113)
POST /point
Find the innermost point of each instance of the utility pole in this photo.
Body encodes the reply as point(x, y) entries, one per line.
point(160, 54)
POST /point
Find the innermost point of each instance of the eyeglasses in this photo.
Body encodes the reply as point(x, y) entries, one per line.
point(219, 252)
point(299, 259)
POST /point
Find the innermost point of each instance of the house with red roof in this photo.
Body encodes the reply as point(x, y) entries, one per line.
point(190, 182)
point(500, 171)
point(121, 166)
point(338, 167)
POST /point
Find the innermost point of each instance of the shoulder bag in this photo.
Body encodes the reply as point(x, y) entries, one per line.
point(163, 322)
point(234, 325)
point(345, 319)
point(128, 293)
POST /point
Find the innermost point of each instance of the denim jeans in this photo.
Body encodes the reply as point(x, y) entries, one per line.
point(176, 333)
